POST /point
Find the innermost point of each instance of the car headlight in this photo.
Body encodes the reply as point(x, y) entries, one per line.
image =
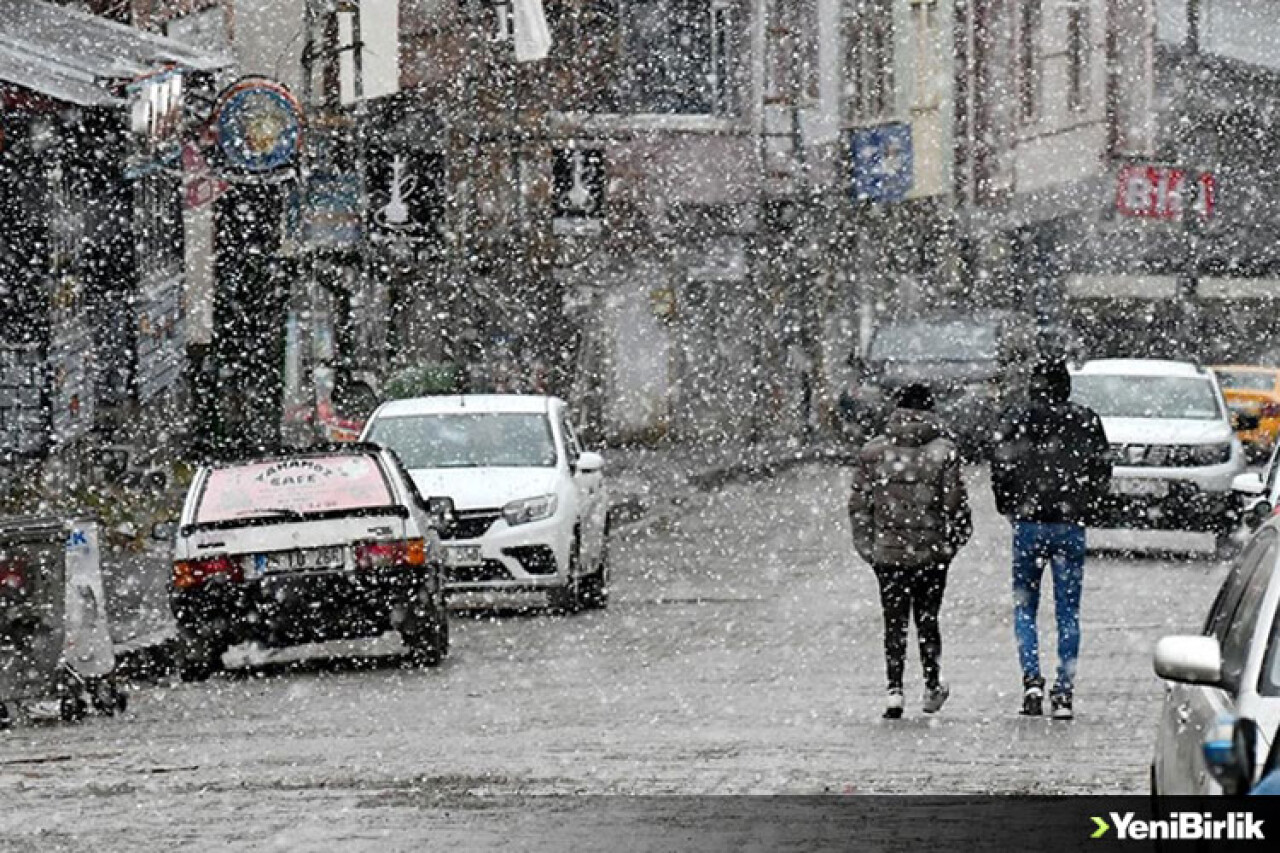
point(1211, 454)
point(529, 509)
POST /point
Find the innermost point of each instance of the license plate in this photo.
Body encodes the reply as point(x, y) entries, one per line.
point(1140, 488)
point(296, 561)
point(462, 555)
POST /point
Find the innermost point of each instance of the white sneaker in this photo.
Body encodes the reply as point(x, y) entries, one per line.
point(935, 698)
point(893, 705)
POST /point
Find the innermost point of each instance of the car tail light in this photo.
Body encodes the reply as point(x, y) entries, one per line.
point(1269, 410)
point(407, 552)
point(13, 575)
point(193, 573)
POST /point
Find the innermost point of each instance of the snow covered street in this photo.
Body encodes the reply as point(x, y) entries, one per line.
point(740, 654)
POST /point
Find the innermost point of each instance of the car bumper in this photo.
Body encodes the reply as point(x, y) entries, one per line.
point(291, 608)
point(1196, 499)
point(527, 557)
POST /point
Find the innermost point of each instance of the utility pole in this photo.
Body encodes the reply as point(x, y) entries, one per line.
point(1190, 336)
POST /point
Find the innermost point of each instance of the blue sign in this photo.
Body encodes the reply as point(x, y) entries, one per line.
point(258, 125)
point(883, 161)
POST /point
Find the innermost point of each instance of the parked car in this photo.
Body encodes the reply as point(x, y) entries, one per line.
point(1232, 668)
point(1175, 455)
point(531, 504)
point(1252, 390)
point(975, 365)
point(332, 543)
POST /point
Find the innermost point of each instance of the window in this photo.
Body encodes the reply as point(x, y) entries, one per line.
point(679, 56)
point(1119, 396)
point(572, 448)
point(1238, 633)
point(480, 440)
point(301, 485)
point(868, 60)
point(1077, 55)
point(1228, 597)
point(1029, 59)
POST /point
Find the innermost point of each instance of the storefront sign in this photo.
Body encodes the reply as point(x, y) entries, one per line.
point(1160, 192)
point(258, 125)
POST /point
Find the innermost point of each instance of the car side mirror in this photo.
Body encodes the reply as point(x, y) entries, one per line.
point(442, 514)
point(1189, 660)
point(1244, 421)
point(164, 531)
point(589, 463)
point(1231, 754)
point(1248, 483)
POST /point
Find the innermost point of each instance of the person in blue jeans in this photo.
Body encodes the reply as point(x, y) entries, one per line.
point(1050, 471)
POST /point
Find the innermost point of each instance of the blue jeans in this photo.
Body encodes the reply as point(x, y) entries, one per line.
point(1062, 547)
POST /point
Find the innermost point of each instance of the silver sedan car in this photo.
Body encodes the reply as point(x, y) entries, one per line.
point(1231, 669)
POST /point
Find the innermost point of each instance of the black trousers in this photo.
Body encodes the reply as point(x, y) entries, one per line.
point(904, 592)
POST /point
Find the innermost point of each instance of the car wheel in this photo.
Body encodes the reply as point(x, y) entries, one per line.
point(426, 635)
point(1225, 546)
point(198, 657)
point(107, 697)
point(595, 586)
point(569, 598)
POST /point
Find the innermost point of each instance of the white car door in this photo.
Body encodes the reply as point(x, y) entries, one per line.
point(1192, 710)
point(591, 498)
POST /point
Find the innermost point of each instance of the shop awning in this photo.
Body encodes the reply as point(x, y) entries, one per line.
point(83, 59)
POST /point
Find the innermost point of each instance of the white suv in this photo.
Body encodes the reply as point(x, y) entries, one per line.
point(530, 503)
point(1174, 452)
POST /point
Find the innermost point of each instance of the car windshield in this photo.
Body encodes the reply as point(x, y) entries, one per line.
point(1239, 380)
point(290, 487)
point(468, 440)
point(1126, 396)
point(935, 342)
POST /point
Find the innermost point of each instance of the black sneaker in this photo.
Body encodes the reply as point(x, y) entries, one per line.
point(893, 705)
point(1062, 706)
point(1032, 697)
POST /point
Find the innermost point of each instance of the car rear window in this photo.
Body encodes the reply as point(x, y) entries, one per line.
point(1246, 380)
point(306, 485)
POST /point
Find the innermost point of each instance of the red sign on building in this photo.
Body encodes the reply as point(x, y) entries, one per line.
point(1160, 192)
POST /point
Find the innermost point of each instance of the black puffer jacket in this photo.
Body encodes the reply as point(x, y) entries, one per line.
point(908, 506)
point(1051, 460)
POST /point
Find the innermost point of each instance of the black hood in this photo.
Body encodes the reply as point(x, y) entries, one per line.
point(912, 427)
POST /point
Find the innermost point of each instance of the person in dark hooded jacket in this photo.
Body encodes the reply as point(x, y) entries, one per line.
point(1050, 471)
point(910, 514)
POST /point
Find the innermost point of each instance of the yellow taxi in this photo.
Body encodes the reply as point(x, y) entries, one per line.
point(1253, 390)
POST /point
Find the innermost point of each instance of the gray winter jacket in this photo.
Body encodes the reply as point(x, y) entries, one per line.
point(908, 506)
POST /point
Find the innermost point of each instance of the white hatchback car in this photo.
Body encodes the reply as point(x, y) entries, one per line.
point(1174, 452)
point(530, 503)
point(1231, 669)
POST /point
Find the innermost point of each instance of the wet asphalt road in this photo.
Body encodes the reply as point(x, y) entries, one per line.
point(740, 654)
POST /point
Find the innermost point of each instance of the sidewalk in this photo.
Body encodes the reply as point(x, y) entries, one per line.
point(643, 481)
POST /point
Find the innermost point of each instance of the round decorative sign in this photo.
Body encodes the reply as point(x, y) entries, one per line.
point(258, 125)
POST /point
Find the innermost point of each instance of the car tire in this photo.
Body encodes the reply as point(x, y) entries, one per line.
point(1225, 547)
point(595, 586)
point(198, 657)
point(568, 599)
point(426, 635)
point(107, 697)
